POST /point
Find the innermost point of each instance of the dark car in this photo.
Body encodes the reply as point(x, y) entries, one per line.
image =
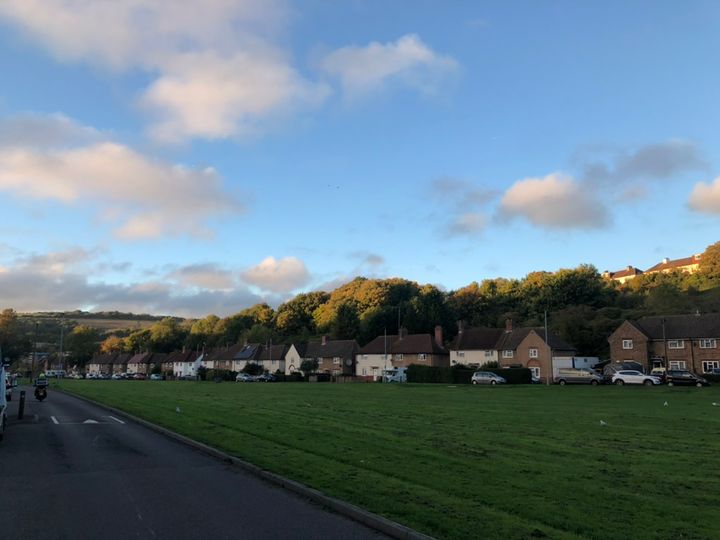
point(139, 376)
point(681, 377)
point(267, 377)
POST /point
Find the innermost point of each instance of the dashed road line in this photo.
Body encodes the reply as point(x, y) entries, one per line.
point(55, 420)
point(116, 419)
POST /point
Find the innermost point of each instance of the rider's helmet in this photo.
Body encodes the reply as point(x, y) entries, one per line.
point(41, 376)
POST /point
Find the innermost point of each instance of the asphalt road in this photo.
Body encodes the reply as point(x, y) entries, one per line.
point(68, 470)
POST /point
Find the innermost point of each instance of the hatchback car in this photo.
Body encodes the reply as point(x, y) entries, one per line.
point(487, 377)
point(156, 377)
point(684, 377)
point(630, 376)
point(244, 377)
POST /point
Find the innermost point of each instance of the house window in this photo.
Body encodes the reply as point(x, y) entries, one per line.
point(336, 360)
point(709, 365)
point(627, 344)
point(535, 372)
point(676, 344)
point(488, 354)
point(708, 344)
point(398, 357)
point(508, 353)
point(336, 372)
point(678, 364)
point(422, 356)
point(533, 352)
point(364, 371)
point(461, 354)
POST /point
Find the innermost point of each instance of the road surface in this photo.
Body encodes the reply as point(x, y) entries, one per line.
point(70, 470)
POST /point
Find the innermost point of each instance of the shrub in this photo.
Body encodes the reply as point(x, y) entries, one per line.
point(711, 377)
point(514, 375)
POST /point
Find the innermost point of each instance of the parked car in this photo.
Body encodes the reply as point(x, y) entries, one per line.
point(116, 376)
point(244, 377)
point(156, 377)
point(139, 376)
point(630, 376)
point(577, 376)
point(684, 377)
point(487, 377)
point(659, 372)
point(267, 377)
point(396, 374)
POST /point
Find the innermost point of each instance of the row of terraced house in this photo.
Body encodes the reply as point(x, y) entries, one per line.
point(676, 342)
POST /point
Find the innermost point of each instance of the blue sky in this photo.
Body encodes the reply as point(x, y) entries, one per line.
point(192, 157)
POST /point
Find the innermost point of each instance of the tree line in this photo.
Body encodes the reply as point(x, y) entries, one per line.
point(582, 307)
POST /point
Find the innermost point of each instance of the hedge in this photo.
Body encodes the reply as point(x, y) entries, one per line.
point(462, 374)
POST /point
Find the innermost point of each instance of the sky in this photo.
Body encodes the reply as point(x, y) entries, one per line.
point(190, 157)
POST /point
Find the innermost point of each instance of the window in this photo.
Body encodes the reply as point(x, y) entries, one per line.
point(398, 357)
point(422, 356)
point(709, 365)
point(535, 372)
point(708, 344)
point(336, 360)
point(533, 352)
point(461, 354)
point(627, 344)
point(676, 344)
point(364, 356)
point(488, 354)
point(677, 364)
point(364, 371)
point(507, 353)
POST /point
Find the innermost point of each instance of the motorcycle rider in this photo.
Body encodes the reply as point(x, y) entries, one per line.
point(41, 384)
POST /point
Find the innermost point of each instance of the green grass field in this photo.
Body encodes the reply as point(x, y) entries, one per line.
point(468, 462)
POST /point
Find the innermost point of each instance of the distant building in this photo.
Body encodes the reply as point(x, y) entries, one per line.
point(688, 264)
point(622, 276)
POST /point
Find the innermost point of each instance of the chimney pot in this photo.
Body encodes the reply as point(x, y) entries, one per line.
point(666, 260)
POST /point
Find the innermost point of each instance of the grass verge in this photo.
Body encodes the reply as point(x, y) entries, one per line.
point(462, 461)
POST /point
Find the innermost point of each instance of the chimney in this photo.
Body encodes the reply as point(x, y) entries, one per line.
point(461, 326)
point(508, 325)
point(439, 335)
point(324, 340)
point(629, 267)
point(666, 260)
point(403, 332)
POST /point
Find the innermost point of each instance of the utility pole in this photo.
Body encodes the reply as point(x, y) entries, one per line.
point(550, 359)
point(62, 358)
point(34, 358)
point(385, 355)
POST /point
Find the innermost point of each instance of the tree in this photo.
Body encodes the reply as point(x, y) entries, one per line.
point(309, 365)
point(346, 323)
point(112, 344)
point(12, 342)
point(82, 343)
point(166, 335)
point(710, 263)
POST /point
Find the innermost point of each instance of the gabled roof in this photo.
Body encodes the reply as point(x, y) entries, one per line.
point(680, 326)
point(103, 359)
point(510, 340)
point(674, 264)
point(122, 358)
point(344, 348)
point(158, 357)
point(476, 339)
point(275, 352)
point(626, 272)
point(140, 358)
point(301, 348)
point(183, 356)
point(417, 344)
point(251, 351)
point(378, 345)
point(227, 353)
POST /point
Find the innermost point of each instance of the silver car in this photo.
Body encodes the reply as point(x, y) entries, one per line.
point(486, 377)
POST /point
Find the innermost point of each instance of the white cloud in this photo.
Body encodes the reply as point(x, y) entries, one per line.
point(278, 275)
point(140, 197)
point(215, 71)
point(706, 197)
point(407, 60)
point(555, 201)
point(40, 130)
point(205, 276)
point(206, 95)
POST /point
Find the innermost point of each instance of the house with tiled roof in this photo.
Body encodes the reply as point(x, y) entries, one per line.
point(101, 364)
point(624, 275)
point(336, 357)
point(272, 358)
point(673, 341)
point(375, 357)
point(184, 363)
point(527, 347)
point(688, 264)
point(294, 356)
point(138, 363)
point(120, 363)
point(222, 358)
point(248, 354)
point(474, 346)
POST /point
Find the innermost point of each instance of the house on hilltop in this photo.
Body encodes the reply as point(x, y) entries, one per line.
point(688, 264)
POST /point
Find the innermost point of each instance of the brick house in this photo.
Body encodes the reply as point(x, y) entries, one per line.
point(120, 363)
point(336, 357)
point(687, 264)
point(621, 276)
point(374, 357)
point(138, 363)
point(526, 347)
point(421, 349)
point(674, 342)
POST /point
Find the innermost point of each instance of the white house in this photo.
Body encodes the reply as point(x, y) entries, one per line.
point(375, 357)
point(474, 346)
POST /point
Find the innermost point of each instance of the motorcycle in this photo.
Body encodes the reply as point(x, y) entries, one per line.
point(40, 391)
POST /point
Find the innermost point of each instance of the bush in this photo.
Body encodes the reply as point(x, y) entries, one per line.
point(252, 368)
point(711, 377)
point(514, 375)
point(222, 374)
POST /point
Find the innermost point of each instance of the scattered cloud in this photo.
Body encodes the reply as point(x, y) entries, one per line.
point(705, 197)
point(277, 275)
point(467, 224)
point(40, 130)
point(140, 197)
point(556, 201)
point(408, 61)
point(369, 259)
point(204, 276)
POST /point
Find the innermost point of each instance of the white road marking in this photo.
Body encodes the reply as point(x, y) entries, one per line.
point(54, 420)
point(116, 419)
point(90, 421)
